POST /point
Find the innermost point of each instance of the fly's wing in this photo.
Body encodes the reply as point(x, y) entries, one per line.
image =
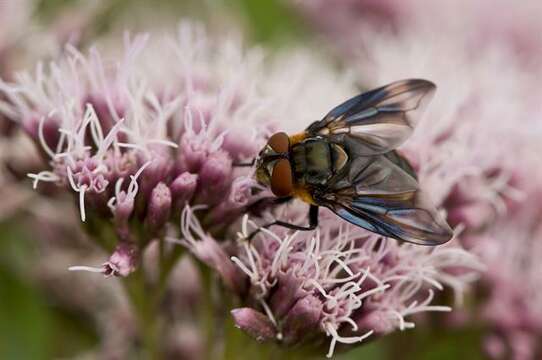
point(381, 197)
point(382, 118)
point(400, 161)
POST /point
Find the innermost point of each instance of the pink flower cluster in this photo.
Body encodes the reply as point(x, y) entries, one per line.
point(132, 153)
point(340, 281)
point(151, 137)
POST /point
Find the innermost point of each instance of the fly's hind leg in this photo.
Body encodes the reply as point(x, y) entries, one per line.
point(313, 223)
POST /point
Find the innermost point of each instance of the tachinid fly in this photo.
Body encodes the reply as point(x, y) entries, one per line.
point(347, 163)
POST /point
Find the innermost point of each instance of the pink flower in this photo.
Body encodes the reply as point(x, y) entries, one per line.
point(340, 282)
point(489, 23)
point(131, 146)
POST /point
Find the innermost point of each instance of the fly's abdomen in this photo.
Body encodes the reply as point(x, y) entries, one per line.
point(316, 161)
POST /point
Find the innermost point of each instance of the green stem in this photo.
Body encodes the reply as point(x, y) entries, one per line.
point(145, 308)
point(146, 299)
point(167, 264)
point(207, 320)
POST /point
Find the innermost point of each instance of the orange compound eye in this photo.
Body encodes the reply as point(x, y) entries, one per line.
point(282, 182)
point(279, 142)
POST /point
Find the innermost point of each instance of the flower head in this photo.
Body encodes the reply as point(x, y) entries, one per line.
point(340, 282)
point(128, 149)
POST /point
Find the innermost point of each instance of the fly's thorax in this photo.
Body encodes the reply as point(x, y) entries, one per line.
point(316, 160)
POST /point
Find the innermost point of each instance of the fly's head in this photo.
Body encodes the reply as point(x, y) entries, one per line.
point(273, 167)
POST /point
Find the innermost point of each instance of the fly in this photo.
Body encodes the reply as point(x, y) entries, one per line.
point(347, 163)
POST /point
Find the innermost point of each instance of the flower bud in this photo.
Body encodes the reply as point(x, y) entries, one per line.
point(302, 319)
point(214, 178)
point(254, 323)
point(157, 171)
point(182, 189)
point(193, 153)
point(216, 170)
point(240, 143)
point(288, 291)
point(375, 320)
point(159, 207)
point(239, 197)
point(241, 191)
point(124, 206)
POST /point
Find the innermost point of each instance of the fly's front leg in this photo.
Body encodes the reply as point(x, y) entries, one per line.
point(313, 223)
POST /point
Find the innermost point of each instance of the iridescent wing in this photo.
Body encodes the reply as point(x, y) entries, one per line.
point(382, 118)
point(380, 196)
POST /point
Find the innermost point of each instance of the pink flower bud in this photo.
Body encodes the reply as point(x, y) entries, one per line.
point(303, 319)
point(254, 323)
point(214, 178)
point(158, 170)
point(216, 170)
point(159, 207)
point(182, 189)
point(193, 152)
point(375, 320)
point(289, 290)
point(240, 143)
point(124, 206)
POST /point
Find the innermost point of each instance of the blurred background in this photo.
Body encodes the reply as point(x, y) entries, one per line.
point(45, 314)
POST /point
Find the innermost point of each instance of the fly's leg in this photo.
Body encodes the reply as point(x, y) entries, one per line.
point(259, 204)
point(248, 164)
point(313, 223)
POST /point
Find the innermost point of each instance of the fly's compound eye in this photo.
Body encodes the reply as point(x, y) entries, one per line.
point(282, 182)
point(279, 142)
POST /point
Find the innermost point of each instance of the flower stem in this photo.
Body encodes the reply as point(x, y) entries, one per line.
point(207, 318)
point(146, 311)
point(168, 261)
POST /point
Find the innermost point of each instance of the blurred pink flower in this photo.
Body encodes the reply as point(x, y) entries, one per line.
point(14, 16)
point(482, 24)
point(17, 153)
